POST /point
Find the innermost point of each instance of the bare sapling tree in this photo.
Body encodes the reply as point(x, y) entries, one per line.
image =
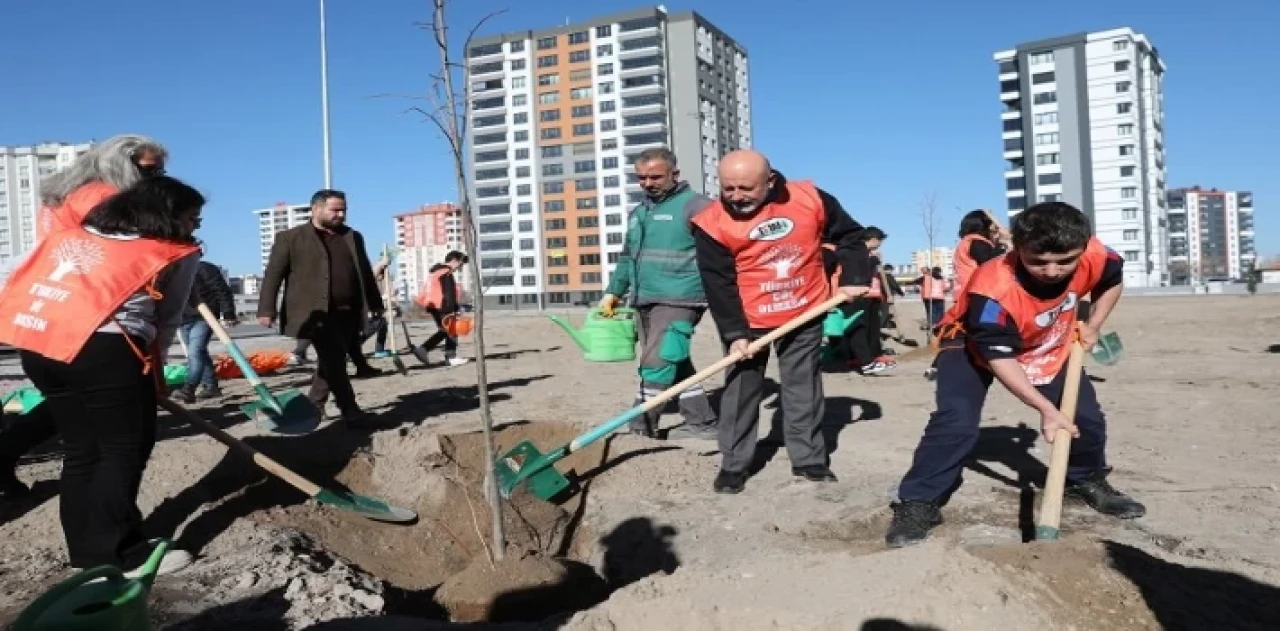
point(929, 217)
point(447, 109)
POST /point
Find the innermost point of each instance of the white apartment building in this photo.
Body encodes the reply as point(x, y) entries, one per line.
point(941, 256)
point(423, 238)
point(1084, 124)
point(21, 172)
point(1211, 235)
point(556, 117)
point(278, 218)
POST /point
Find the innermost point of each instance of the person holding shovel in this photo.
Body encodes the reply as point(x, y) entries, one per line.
point(658, 266)
point(759, 254)
point(1015, 322)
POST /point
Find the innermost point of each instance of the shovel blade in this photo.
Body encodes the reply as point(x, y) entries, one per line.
point(369, 507)
point(300, 415)
point(1108, 351)
point(525, 463)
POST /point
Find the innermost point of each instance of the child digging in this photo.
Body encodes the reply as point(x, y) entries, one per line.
point(1014, 322)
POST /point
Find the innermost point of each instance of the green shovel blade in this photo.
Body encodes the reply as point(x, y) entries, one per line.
point(299, 416)
point(367, 506)
point(1108, 351)
point(525, 462)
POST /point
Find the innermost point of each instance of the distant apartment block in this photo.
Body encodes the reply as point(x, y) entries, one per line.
point(278, 218)
point(1210, 235)
point(423, 238)
point(1083, 123)
point(557, 115)
point(922, 260)
point(245, 284)
point(21, 171)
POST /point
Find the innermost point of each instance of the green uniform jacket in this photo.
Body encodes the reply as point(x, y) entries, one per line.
point(658, 263)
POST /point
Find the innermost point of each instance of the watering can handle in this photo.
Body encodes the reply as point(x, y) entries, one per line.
point(33, 611)
point(597, 313)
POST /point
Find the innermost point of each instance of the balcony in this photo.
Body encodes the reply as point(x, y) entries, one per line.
point(640, 66)
point(646, 84)
point(476, 71)
point(642, 27)
point(640, 47)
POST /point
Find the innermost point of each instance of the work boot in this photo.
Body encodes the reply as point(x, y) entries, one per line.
point(1102, 497)
point(729, 482)
point(10, 488)
point(814, 473)
point(185, 394)
point(912, 521)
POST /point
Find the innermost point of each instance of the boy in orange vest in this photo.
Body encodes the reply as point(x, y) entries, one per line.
point(1015, 322)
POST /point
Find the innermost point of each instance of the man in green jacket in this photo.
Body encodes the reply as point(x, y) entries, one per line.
point(659, 269)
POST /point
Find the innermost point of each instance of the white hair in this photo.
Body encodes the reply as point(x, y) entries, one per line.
point(110, 162)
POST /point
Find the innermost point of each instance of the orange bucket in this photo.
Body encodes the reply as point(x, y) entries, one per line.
point(457, 325)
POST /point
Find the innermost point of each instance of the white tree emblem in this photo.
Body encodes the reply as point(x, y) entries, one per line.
point(781, 258)
point(76, 255)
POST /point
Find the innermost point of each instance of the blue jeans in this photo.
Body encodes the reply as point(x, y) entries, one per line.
point(196, 336)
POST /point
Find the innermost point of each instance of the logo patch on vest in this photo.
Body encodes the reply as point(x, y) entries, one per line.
point(771, 229)
point(1047, 318)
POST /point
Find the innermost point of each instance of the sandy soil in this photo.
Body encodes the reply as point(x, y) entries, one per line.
point(645, 544)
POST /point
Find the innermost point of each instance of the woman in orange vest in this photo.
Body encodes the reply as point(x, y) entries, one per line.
point(1015, 323)
point(980, 241)
point(66, 197)
point(92, 311)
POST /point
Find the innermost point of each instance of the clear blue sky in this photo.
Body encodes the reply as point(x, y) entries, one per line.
point(878, 102)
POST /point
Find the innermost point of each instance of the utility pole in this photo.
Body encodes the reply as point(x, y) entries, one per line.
point(324, 98)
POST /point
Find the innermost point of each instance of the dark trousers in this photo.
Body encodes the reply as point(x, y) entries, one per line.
point(802, 402)
point(105, 410)
point(332, 338)
point(934, 310)
point(952, 431)
point(653, 322)
point(441, 335)
point(862, 340)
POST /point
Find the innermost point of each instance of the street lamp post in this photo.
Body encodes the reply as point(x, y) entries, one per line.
point(324, 98)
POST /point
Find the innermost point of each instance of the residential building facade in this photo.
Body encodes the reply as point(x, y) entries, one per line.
point(1211, 235)
point(941, 256)
point(423, 238)
point(21, 171)
point(1083, 123)
point(556, 118)
point(278, 218)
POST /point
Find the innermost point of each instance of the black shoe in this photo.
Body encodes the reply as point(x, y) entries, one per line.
point(185, 394)
point(11, 488)
point(814, 473)
point(205, 393)
point(729, 482)
point(1102, 497)
point(912, 521)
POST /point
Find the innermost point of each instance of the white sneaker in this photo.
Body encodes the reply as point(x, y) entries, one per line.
point(458, 361)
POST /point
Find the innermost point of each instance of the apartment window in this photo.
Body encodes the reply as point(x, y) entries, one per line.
point(591, 277)
point(608, 106)
point(612, 200)
point(604, 50)
point(584, 184)
point(1132, 255)
point(547, 116)
point(524, 189)
point(581, 110)
point(519, 99)
point(604, 31)
point(584, 129)
point(526, 226)
point(1047, 158)
point(558, 279)
point(581, 37)
point(1126, 171)
point(527, 261)
point(1122, 66)
point(1122, 87)
point(613, 257)
point(518, 83)
point(547, 98)
point(605, 88)
point(488, 121)
point(555, 224)
point(609, 125)
point(1120, 45)
point(584, 166)
point(524, 208)
point(614, 238)
point(553, 206)
point(522, 154)
point(1124, 108)
point(553, 151)
point(552, 169)
point(520, 136)
point(548, 61)
point(579, 56)
point(516, 46)
point(584, 148)
point(557, 242)
point(494, 209)
point(1039, 58)
point(1129, 192)
point(550, 133)
point(1041, 78)
point(1010, 85)
point(518, 64)
point(485, 139)
point(552, 188)
point(1130, 235)
point(1126, 150)
point(604, 70)
point(580, 93)
point(583, 74)
point(588, 222)
point(1048, 179)
point(545, 43)
point(548, 79)
point(610, 162)
point(522, 172)
point(528, 281)
point(587, 203)
point(1015, 183)
point(588, 240)
point(1045, 118)
point(611, 181)
point(613, 219)
point(1125, 129)
point(1050, 198)
point(519, 118)
point(1129, 213)
point(1045, 97)
point(1050, 138)
point(527, 244)
point(589, 259)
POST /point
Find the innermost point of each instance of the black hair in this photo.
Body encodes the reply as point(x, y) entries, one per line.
point(326, 194)
point(975, 222)
point(455, 255)
point(154, 208)
point(872, 232)
point(1051, 228)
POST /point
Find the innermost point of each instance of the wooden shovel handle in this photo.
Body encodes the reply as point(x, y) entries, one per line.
point(267, 464)
point(1056, 481)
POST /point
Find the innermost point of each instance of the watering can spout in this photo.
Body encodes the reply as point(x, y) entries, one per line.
point(578, 336)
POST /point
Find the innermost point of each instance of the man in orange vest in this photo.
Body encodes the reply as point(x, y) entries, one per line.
point(759, 253)
point(1015, 322)
point(441, 297)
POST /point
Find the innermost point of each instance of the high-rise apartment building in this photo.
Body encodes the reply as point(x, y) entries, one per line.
point(21, 171)
point(1210, 235)
point(556, 117)
point(1083, 123)
point(423, 238)
point(278, 218)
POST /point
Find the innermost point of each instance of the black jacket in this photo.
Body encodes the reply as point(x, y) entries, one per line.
point(720, 274)
point(211, 289)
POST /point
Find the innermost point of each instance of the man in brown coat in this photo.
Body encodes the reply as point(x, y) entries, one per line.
point(329, 288)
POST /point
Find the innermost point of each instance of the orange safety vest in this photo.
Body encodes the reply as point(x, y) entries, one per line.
point(932, 288)
point(73, 210)
point(72, 283)
point(777, 252)
point(431, 295)
point(961, 261)
point(1046, 326)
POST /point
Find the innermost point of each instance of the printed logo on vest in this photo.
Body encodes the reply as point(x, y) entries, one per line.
point(771, 229)
point(77, 256)
point(1047, 318)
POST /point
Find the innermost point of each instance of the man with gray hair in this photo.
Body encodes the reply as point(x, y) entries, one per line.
point(658, 266)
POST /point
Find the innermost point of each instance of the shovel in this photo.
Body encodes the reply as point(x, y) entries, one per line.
point(391, 316)
point(525, 462)
point(1108, 351)
point(289, 413)
point(1056, 482)
point(351, 502)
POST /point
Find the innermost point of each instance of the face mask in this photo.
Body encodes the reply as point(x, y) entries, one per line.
point(149, 170)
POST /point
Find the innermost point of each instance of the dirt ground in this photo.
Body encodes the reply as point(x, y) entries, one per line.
point(645, 544)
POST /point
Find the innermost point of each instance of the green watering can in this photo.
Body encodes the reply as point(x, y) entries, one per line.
point(97, 599)
point(837, 323)
point(604, 339)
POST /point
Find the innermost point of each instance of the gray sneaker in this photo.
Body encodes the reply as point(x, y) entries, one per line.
point(703, 431)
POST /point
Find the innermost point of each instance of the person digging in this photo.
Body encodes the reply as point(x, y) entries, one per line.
point(1014, 322)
